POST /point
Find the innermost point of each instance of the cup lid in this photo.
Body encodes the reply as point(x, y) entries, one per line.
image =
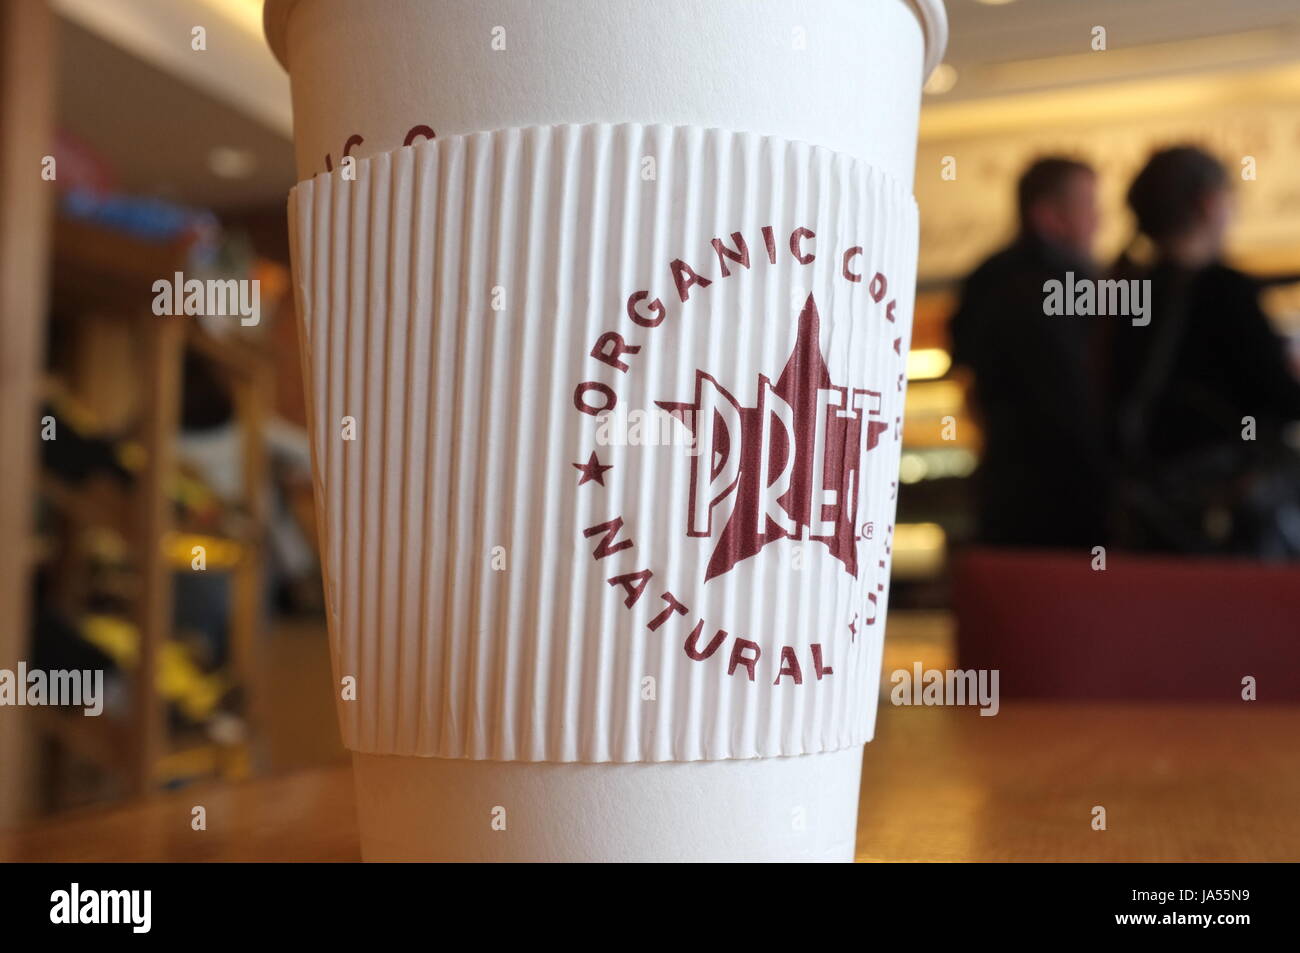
point(934, 24)
point(931, 13)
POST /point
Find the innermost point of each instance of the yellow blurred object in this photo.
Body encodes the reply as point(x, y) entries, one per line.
point(218, 553)
point(918, 549)
point(927, 363)
point(246, 13)
point(193, 493)
point(182, 488)
point(934, 398)
point(132, 455)
point(941, 81)
point(76, 413)
point(180, 681)
point(937, 417)
point(232, 764)
point(106, 544)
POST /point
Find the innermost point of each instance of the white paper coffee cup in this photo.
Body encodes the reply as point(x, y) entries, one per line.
point(621, 231)
point(370, 76)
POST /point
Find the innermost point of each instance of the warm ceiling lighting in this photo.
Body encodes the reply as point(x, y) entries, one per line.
point(229, 163)
point(247, 13)
point(912, 468)
point(927, 363)
point(919, 550)
point(941, 80)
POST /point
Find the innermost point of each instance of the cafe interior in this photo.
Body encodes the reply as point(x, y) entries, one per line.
point(156, 510)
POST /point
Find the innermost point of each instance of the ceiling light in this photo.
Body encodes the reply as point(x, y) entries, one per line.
point(229, 163)
point(941, 80)
point(927, 363)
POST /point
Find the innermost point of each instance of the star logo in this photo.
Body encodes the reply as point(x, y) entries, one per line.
point(786, 468)
point(593, 471)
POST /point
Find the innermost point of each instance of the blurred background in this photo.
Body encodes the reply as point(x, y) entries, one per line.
point(155, 494)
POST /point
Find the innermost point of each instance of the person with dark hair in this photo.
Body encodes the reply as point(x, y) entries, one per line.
point(1042, 479)
point(1204, 394)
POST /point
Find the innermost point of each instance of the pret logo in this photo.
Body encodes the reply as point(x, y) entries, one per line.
point(787, 468)
point(787, 464)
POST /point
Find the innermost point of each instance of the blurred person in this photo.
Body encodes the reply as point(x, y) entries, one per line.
point(1042, 476)
point(1204, 395)
point(211, 445)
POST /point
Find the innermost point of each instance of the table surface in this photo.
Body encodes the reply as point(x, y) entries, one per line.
point(1178, 782)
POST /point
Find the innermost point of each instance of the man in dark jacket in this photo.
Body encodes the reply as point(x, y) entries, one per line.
point(1042, 478)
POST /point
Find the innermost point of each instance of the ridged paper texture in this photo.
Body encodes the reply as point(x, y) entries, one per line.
point(515, 342)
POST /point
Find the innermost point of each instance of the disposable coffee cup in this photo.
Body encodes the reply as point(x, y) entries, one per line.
point(604, 312)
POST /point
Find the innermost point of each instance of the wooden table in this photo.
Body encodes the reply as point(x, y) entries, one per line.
point(1179, 783)
point(1197, 782)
